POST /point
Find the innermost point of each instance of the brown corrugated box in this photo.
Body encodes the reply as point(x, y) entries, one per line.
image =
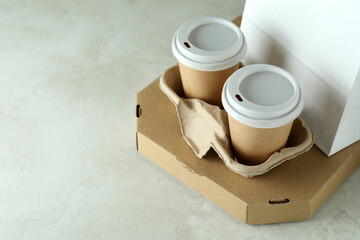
point(292, 191)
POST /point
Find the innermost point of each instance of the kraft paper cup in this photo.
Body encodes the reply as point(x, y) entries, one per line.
point(208, 50)
point(262, 101)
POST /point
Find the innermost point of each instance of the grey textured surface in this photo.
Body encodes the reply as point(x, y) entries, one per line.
point(69, 168)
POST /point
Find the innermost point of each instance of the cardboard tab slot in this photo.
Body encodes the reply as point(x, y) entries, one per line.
point(138, 111)
point(279, 200)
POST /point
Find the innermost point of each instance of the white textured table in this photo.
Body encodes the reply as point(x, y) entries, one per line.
point(69, 169)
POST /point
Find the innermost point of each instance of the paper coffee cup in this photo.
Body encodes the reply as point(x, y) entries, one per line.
point(262, 101)
point(208, 50)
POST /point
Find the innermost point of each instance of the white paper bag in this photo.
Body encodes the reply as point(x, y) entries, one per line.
point(319, 43)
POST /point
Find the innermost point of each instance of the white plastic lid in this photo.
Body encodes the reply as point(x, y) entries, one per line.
point(262, 96)
point(209, 44)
